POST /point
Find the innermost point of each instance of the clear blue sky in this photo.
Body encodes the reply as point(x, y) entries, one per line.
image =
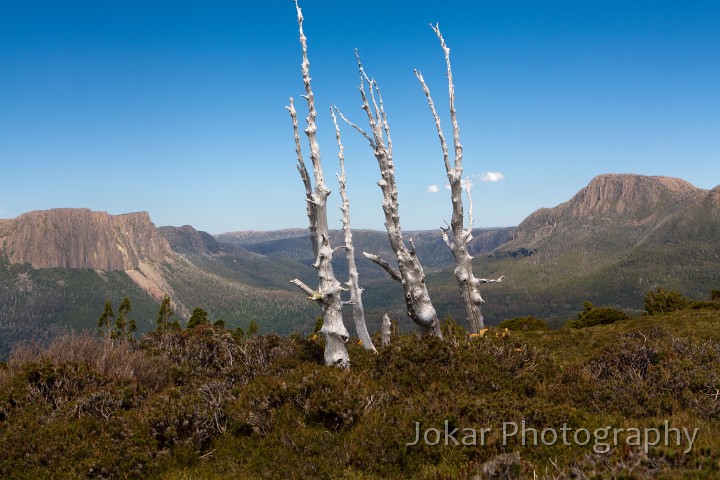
point(177, 107)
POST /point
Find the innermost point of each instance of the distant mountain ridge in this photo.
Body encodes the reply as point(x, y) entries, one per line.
point(432, 250)
point(59, 266)
point(251, 237)
point(617, 238)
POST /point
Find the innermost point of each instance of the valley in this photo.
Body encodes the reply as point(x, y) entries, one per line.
point(619, 237)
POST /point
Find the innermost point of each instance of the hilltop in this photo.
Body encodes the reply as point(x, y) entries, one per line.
point(619, 210)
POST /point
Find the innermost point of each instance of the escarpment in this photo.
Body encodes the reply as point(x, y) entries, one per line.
point(82, 239)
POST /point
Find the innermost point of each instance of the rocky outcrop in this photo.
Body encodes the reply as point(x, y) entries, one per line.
point(82, 239)
point(631, 203)
point(630, 195)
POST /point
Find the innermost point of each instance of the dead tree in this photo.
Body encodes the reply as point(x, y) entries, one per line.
point(352, 283)
point(461, 236)
point(386, 330)
point(327, 294)
point(410, 272)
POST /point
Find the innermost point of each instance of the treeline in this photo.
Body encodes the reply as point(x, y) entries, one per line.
point(656, 302)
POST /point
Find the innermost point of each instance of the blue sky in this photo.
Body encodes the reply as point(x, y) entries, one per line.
point(177, 108)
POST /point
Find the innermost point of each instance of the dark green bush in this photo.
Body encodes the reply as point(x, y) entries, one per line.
point(450, 328)
point(198, 317)
point(704, 304)
point(592, 315)
point(712, 304)
point(528, 323)
point(662, 301)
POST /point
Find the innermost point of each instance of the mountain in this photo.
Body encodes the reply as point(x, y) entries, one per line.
point(80, 239)
point(612, 210)
point(187, 240)
point(617, 238)
point(58, 267)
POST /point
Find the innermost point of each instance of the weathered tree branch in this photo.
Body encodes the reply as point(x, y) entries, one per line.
point(411, 275)
point(467, 283)
point(353, 282)
point(386, 330)
point(312, 293)
point(385, 265)
point(358, 129)
point(328, 292)
point(451, 91)
point(394, 274)
point(443, 143)
point(470, 208)
point(305, 178)
point(489, 280)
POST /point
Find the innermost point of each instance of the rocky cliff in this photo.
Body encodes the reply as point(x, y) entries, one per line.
point(82, 239)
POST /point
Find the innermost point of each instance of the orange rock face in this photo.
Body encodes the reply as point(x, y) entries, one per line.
point(81, 238)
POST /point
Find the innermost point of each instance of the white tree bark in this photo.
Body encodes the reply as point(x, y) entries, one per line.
point(386, 330)
point(352, 283)
point(461, 236)
point(417, 300)
point(328, 292)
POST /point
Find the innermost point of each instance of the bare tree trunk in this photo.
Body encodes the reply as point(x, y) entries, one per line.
point(386, 330)
point(352, 283)
point(467, 282)
point(411, 275)
point(328, 292)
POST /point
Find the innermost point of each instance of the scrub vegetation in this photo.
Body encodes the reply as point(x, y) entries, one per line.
point(207, 402)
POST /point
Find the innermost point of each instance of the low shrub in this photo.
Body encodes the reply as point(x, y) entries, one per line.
point(528, 323)
point(705, 305)
point(592, 315)
point(265, 406)
point(116, 359)
point(450, 328)
point(663, 301)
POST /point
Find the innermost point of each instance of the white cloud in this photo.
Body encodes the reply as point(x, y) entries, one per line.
point(491, 177)
point(432, 189)
point(447, 186)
